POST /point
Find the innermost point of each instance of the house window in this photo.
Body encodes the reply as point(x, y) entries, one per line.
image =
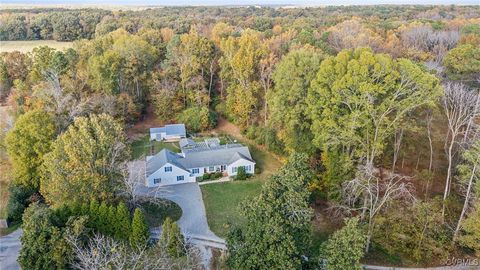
point(248, 168)
point(157, 180)
point(234, 169)
point(168, 169)
point(211, 168)
point(180, 178)
point(196, 170)
point(223, 168)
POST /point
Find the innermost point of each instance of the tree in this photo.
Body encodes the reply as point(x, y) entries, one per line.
point(43, 243)
point(463, 62)
point(18, 200)
point(27, 142)
point(470, 175)
point(345, 248)
point(192, 55)
point(287, 100)
point(93, 214)
point(277, 230)
point(338, 168)
point(359, 99)
point(351, 34)
point(241, 173)
point(197, 119)
point(240, 67)
point(171, 238)
point(122, 223)
point(461, 107)
point(371, 192)
point(471, 230)
point(414, 231)
point(86, 161)
point(97, 254)
point(140, 233)
point(103, 219)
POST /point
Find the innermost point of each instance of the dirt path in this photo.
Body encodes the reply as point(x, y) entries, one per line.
point(224, 126)
point(148, 120)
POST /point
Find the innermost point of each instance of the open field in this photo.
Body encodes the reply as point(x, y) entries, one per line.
point(27, 46)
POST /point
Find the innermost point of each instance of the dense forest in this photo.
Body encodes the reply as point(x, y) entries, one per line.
point(374, 109)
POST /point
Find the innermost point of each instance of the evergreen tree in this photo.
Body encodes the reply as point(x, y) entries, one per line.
point(345, 247)
point(241, 174)
point(122, 222)
point(43, 243)
point(171, 238)
point(112, 219)
point(140, 232)
point(93, 214)
point(103, 219)
point(85, 209)
point(277, 231)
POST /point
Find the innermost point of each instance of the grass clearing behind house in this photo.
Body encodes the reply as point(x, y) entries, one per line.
point(144, 147)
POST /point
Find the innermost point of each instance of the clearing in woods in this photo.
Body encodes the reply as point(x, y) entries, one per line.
point(28, 45)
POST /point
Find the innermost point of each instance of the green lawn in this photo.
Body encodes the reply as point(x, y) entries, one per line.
point(144, 147)
point(9, 230)
point(155, 214)
point(222, 202)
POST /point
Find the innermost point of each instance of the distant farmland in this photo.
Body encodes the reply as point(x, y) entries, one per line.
point(27, 46)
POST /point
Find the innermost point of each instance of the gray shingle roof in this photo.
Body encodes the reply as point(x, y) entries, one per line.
point(186, 142)
point(222, 155)
point(157, 130)
point(174, 129)
point(161, 158)
point(215, 156)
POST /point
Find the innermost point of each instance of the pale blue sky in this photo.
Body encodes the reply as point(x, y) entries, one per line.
point(241, 2)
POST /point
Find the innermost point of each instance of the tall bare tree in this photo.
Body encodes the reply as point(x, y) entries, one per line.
point(460, 105)
point(103, 253)
point(370, 192)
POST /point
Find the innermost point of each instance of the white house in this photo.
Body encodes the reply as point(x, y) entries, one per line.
point(173, 132)
point(169, 168)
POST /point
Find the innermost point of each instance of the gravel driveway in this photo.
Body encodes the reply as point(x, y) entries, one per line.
point(9, 249)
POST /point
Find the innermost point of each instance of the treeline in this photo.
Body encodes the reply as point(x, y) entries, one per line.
point(63, 25)
point(69, 25)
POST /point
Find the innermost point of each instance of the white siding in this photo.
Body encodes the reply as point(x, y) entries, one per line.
point(157, 136)
point(169, 178)
point(238, 163)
